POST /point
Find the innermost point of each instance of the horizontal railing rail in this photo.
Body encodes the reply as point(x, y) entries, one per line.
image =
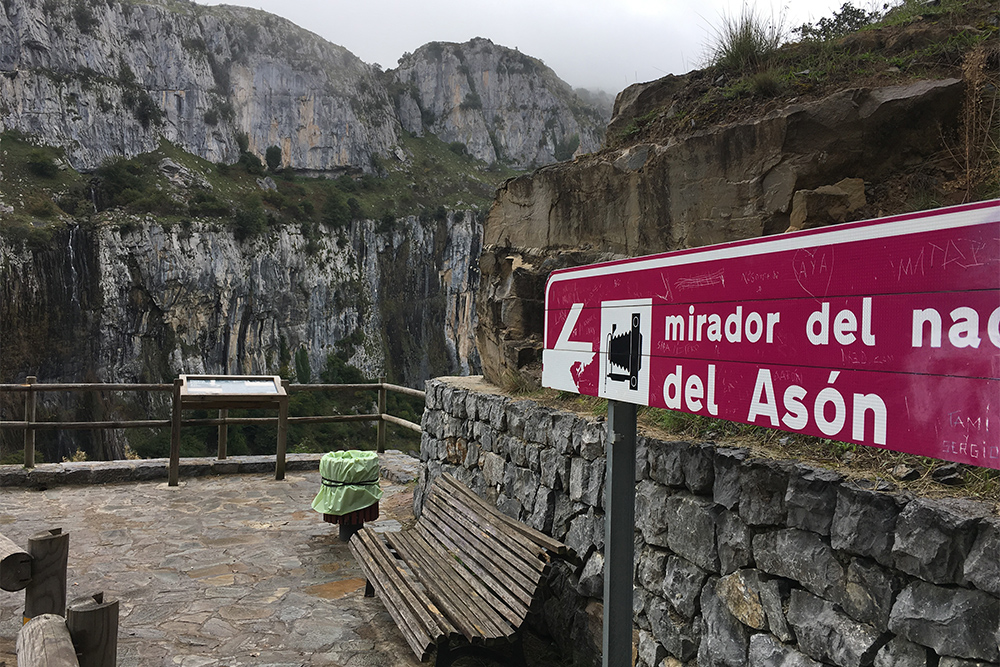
point(31, 388)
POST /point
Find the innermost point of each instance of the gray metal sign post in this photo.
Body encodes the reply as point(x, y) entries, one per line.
point(619, 539)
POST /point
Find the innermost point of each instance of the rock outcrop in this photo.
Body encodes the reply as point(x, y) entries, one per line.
point(503, 105)
point(729, 182)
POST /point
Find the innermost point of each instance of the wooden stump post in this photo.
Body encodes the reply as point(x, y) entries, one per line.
point(45, 642)
point(380, 435)
point(46, 593)
point(223, 434)
point(15, 566)
point(93, 625)
point(29, 416)
point(173, 473)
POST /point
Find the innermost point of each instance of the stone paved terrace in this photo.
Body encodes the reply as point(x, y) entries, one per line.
point(222, 570)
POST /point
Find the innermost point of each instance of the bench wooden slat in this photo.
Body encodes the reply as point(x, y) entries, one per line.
point(551, 544)
point(492, 522)
point(483, 578)
point(436, 624)
point(527, 558)
point(444, 586)
point(414, 616)
point(504, 612)
point(471, 537)
point(421, 644)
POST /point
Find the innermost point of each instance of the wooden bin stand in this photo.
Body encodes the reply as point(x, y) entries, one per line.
point(225, 392)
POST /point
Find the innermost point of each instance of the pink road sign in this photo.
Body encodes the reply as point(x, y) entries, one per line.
point(884, 332)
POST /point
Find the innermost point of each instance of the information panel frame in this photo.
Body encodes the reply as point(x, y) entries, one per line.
point(882, 332)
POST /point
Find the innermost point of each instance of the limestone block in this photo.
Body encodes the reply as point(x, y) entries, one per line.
point(692, 529)
point(509, 506)
point(591, 583)
point(869, 592)
point(651, 652)
point(543, 510)
point(665, 461)
point(724, 640)
point(652, 513)
point(682, 584)
point(733, 537)
point(955, 622)
point(516, 452)
point(801, 556)
point(492, 466)
point(864, 523)
point(826, 634)
point(948, 661)
point(650, 565)
point(432, 395)
point(555, 469)
point(766, 651)
point(564, 425)
point(498, 412)
point(774, 594)
point(698, 463)
point(982, 567)
point(471, 455)
point(522, 484)
point(678, 635)
point(531, 455)
point(740, 592)
point(538, 425)
point(488, 439)
point(516, 414)
point(762, 493)
point(592, 439)
point(563, 514)
point(901, 653)
point(726, 489)
point(933, 541)
point(811, 498)
point(582, 529)
point(641, 459)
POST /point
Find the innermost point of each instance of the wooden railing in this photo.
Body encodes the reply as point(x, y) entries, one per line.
point(31, 388)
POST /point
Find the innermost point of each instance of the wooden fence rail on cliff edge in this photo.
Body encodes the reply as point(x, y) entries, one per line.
point(31, 388)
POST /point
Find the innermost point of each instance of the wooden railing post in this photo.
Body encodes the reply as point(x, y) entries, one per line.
point(46, 593)
point(93, 625)
point(279, 459)
point(223, 434)
point(29, 416)
point(380, 435)
point(173, 473)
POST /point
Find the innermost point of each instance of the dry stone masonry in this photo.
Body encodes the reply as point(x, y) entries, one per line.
point(740, 562)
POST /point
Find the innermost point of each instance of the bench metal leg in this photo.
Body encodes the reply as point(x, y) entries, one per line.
point(514, 657)
point(369, 589)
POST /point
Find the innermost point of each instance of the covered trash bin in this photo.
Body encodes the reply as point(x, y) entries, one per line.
point(350, 490)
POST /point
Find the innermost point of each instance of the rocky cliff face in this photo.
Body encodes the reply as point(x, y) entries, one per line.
point(146, 302)
point(504, 106)
point(728, 182)
point(104, 79)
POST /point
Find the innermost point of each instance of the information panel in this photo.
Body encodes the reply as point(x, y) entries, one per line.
point(885, 332)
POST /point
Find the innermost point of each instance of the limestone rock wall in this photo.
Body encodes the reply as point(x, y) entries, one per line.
point(501, 104)
point(104, 79)
point(710, 186)
point(739, 561)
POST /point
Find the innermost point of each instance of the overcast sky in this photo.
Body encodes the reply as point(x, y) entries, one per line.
point(606, 44)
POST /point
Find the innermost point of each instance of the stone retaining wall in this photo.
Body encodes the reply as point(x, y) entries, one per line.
point(739, 561)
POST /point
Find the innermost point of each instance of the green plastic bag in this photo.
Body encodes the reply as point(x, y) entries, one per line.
point(350, 482)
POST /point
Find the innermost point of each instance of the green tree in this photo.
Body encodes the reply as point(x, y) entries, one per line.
point(272, 156)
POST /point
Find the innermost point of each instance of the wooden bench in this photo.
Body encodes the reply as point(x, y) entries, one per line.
point(464, 570)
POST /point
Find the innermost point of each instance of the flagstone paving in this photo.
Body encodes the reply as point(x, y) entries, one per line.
point(219, 571)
